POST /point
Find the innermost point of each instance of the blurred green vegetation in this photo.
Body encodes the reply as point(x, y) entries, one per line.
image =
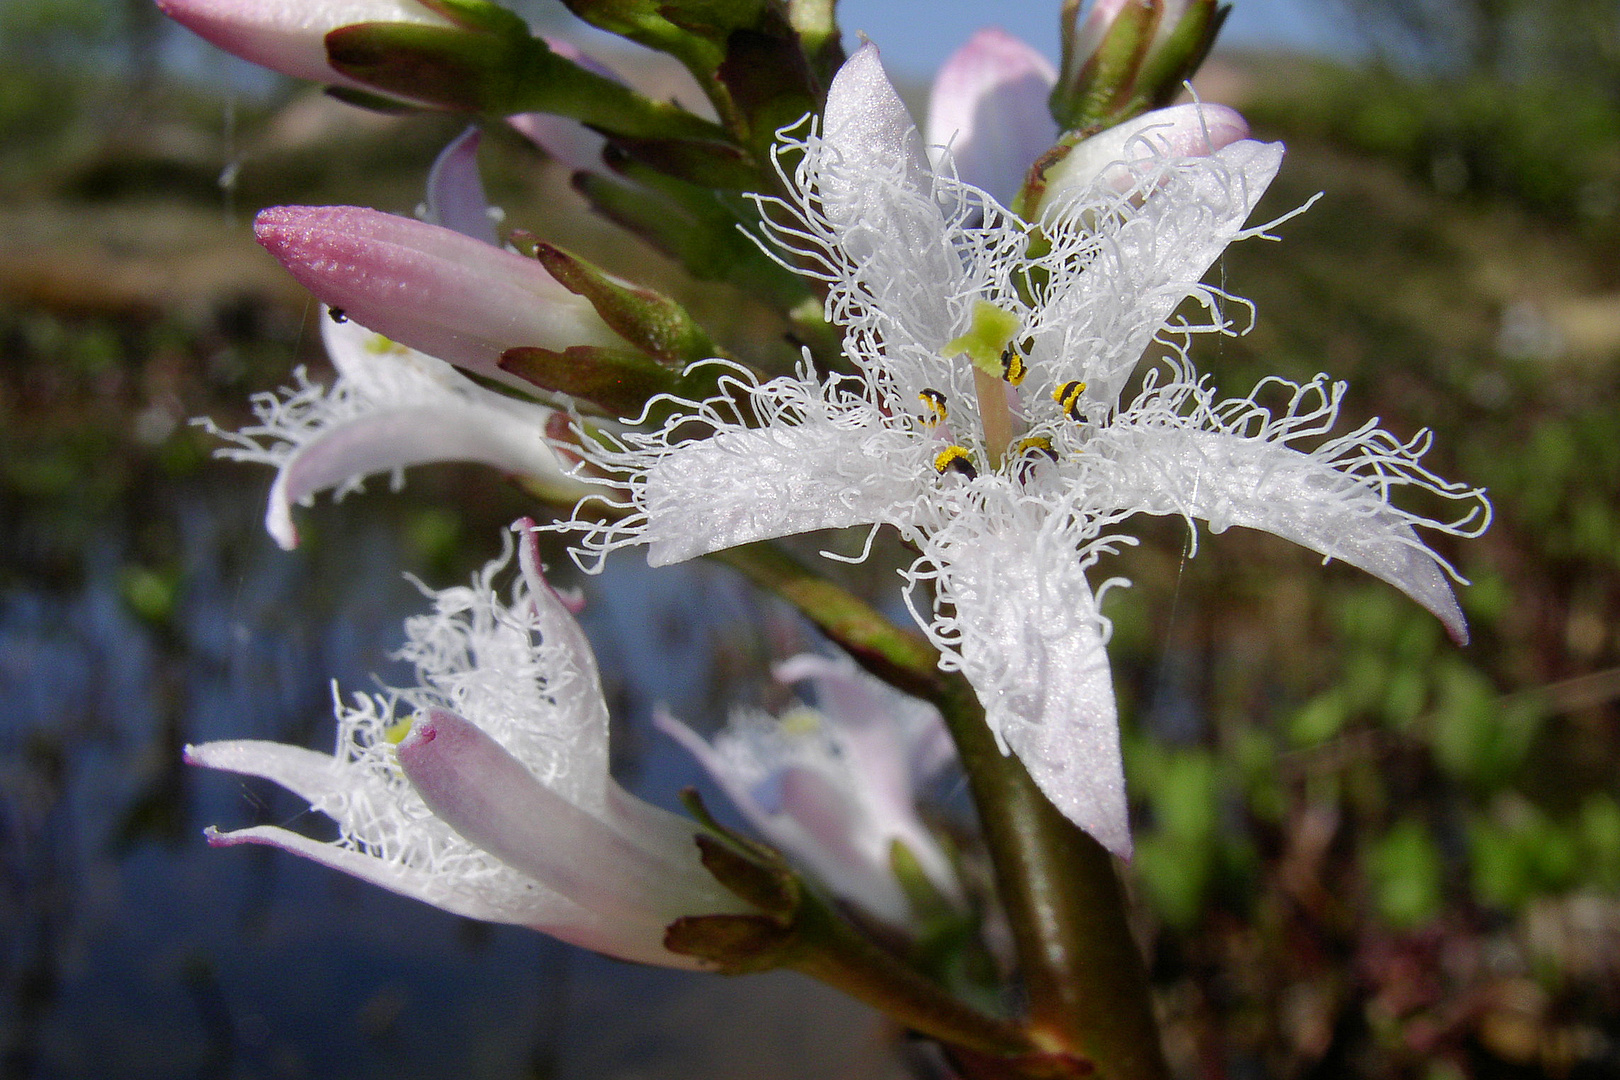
point(1362, 851)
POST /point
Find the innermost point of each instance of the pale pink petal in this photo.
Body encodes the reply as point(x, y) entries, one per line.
point(489, 797)
point(1192, 130)
point(455, 191)
point(398, 438)
point(989, 107)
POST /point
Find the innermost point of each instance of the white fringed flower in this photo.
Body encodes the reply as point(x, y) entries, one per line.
point(390, 408)
point(835, 787)
point(497, 804)
point(1011, 489)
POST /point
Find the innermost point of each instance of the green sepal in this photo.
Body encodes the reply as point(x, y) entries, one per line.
point(653, 323)
point(752, 872)
point(1027, 203)
point(816, 23)
point(1090, 88)
point(378, 103)
point(703, 162)
point(1174, 58)
point(921, 893)
point(733, 944)
point(617, 381)
point(499, 75)
point(769, 80)
point(480, 15)
point(767, 884)
point(745, 846)
point(696, 228)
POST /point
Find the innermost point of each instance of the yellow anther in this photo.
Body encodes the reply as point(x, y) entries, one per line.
point(957, 458)
point(377, 345)
point(1068, 396)
point(800, 721)
point(1036, 444)
point(934, 402)
point(395, 733)
point(1012, 365)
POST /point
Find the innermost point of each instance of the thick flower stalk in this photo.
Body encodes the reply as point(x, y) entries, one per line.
point(988, 422)
point(390, 408)
point(835, 787)
point(484, 789)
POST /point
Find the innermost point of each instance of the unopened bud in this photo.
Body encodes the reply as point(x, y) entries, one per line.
point(1128, 56)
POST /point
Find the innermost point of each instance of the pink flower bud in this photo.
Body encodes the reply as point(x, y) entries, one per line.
point(1118, 153)
point(289, 37)
point(429, 287)
point(989, 106)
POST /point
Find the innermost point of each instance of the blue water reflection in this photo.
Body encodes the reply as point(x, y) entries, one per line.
point(130, 949)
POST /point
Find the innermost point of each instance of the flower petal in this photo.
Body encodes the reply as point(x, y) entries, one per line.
point(1192, 130)
point(455, 191)
point(1147, 256)
point(1228, 479)
point(1028, 636)
point(876, 192)
point(488, 796)
point(743, 484)
point(813, 819)
point(503, 896)
point(331, 786)
point(988, 106)
point(429, 287)
point(398, 438)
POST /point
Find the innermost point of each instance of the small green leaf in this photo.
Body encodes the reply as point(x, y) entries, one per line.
point(1406, 875)
point(499, 75)
point(653, 323)
point(734, 944)
point(617, 381)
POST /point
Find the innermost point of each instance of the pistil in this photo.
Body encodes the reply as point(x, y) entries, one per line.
point(994, 415)
point(988, 345)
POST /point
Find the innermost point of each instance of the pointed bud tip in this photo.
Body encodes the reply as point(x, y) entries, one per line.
point(423, 731)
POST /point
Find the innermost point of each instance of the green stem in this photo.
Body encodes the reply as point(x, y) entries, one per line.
point(898, 657)
point(837, 955)
point(1086, 983)
point(1087, 986)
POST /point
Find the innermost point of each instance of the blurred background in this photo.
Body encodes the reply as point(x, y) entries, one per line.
point(1363, 851)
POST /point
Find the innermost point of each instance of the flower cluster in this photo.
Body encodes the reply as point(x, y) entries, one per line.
point(1015, 306)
